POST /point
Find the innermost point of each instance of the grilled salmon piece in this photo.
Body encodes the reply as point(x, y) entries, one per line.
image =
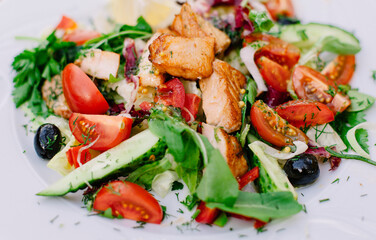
point(190, 24)
point(189, 58)
point(149, 76)
point(221, 96)
point(229, 147)
point(100, 64)
point(52, 93)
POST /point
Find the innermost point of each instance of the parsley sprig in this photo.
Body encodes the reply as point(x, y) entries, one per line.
point(32, 67)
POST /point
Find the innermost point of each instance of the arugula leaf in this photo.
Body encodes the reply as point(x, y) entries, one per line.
point(192, 151)
point(34, 66)
point(114, 41)
point(361, 136)
point(262, 206)
point(345, 121)
point(261, 21)
point(145, 174)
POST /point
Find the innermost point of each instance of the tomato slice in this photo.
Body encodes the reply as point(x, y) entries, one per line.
point(281, 52)
point(192, 104)
point(102, 131)
point(146, 106)
point(272, 128)
point(280, 7)
point(128, 200)
point(274, 74)
point(66, 23)
point(206, 215)
point(312, 85)
point(250, 176)
point(171, 94)
point(80, 36)
point(305, 113)
point(81, 93)
point(341, 69)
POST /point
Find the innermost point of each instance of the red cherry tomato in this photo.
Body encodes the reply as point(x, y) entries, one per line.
point(105, 131)
point(272, 128)
point(171, 94)
point(274, 74)
point(80, 36)
point(66, 23)
point(192, 103)
point(128, 200)
point(206, 215)
point(341, 69)
point(81, 93)
point(278, 8)
point(312, 85)
point(285, 54)
point(146, 106)
point(305, 113)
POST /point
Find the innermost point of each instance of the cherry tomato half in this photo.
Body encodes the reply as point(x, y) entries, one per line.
point(105, 131)
point(274, 74)
point(80, 36)
point(312, 85)
point(272, 128)
point(285, 54)
point(81, 93)
point(171, 94)
point(128, 200)
point(305, 113)
point(280, 7)
point(341, 69)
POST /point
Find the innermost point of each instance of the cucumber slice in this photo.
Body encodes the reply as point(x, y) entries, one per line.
point(117, 161)
point(307, 35)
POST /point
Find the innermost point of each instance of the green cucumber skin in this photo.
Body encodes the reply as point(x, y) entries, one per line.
point(290, 34)
point(263, 183)
point(60, 188)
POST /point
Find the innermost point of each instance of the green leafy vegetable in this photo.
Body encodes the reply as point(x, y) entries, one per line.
point(261, 21)
point(114, 41)
point(177, 186)
point(359, 101)
point(262, 206)
point(34, 66)
point(345, 121)
point(361, 136)
point(145, 174)
point(183, 141)
point(192, 151)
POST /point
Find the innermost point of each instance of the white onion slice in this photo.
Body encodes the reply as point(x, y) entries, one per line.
point(301, 147)
point(324, 135)
point(162, 182)
point(352, 139)
point(247, 55)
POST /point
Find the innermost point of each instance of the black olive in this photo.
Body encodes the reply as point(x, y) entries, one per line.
point(47, 141)
point(302, 170)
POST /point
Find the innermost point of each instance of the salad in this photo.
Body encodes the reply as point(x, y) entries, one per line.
point(238, 102)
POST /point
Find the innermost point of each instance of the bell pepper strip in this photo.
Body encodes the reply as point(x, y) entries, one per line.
point(250, 176)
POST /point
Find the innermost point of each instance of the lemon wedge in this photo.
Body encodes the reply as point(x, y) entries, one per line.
point(158, 13)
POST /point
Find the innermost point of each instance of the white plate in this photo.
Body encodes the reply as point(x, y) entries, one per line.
point(349, 214)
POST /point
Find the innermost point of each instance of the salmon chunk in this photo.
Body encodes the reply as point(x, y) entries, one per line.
point(221, 96)
point(100, 64)
point(189, 24)
point(52, 93)
point(229, 147)
point(149, 76)
point(189, 58)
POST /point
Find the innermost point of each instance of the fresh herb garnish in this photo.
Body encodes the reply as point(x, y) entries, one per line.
point(349, 156)
point(324, 200)
point(177, 186)
point(261, 21)
point(34, 66)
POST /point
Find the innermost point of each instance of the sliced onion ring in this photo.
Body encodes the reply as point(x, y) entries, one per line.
point(301, 147)
point(352, 139)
